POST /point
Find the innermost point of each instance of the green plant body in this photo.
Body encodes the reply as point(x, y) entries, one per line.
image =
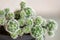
point(22, 22)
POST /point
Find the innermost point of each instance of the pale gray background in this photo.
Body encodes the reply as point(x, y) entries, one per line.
point(45, 8)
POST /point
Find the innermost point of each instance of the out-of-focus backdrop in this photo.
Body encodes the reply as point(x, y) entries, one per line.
point(45, 8)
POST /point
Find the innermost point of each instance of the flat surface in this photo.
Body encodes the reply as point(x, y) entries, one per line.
point(25, 37)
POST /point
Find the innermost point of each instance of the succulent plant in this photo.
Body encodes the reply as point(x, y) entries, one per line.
point(37, 31)
point(29, 22)
point(44, 22)
point(28, 11)
point(22, 22)
point(51, 33)
point(40, 38)
point(22, 4)
point(2, 14)
point(10, 16)
point(27, 29)
point(22, 14)
point(2, 20)
point(52, 25)
point(14, 35)
point(12, 26)
point(20, 32)
point(6, 10)
point(38, 20)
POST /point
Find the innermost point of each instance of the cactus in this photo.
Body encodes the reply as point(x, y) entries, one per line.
point(51, 33)
point(13, 26)
point(52, 25)
point(27, 29)
point(6, 10)
point(38, 20)
point(40, 38)
point(28, 11)
point(29, 22)
point(2, 13)
point(37, 31)
point(10, 16)
point(22, 22)
point(22, 14)
point(14, 35)
point(23, 4)
point(20, 32)
point(2, 20)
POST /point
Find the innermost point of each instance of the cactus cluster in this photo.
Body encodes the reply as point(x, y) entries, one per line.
point(22, 22)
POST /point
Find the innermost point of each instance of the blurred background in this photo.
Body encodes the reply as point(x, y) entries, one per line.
point(49, 9)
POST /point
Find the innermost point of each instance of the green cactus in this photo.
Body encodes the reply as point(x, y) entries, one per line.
point(22, 14)
point(14, 35)
point(27, 29)
point(37, 31)
point(44, 22)
point(51, 33)
point(2, 20)
point(28, 11)
point(6, 10)
point(29, 22)
point(38, 20)
point(22, 4)
point(20, 32)
point(52, 25)
point(12, 26)
point(40, 38)
point(23, 22)
point(10, 16)
point(2, 14)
